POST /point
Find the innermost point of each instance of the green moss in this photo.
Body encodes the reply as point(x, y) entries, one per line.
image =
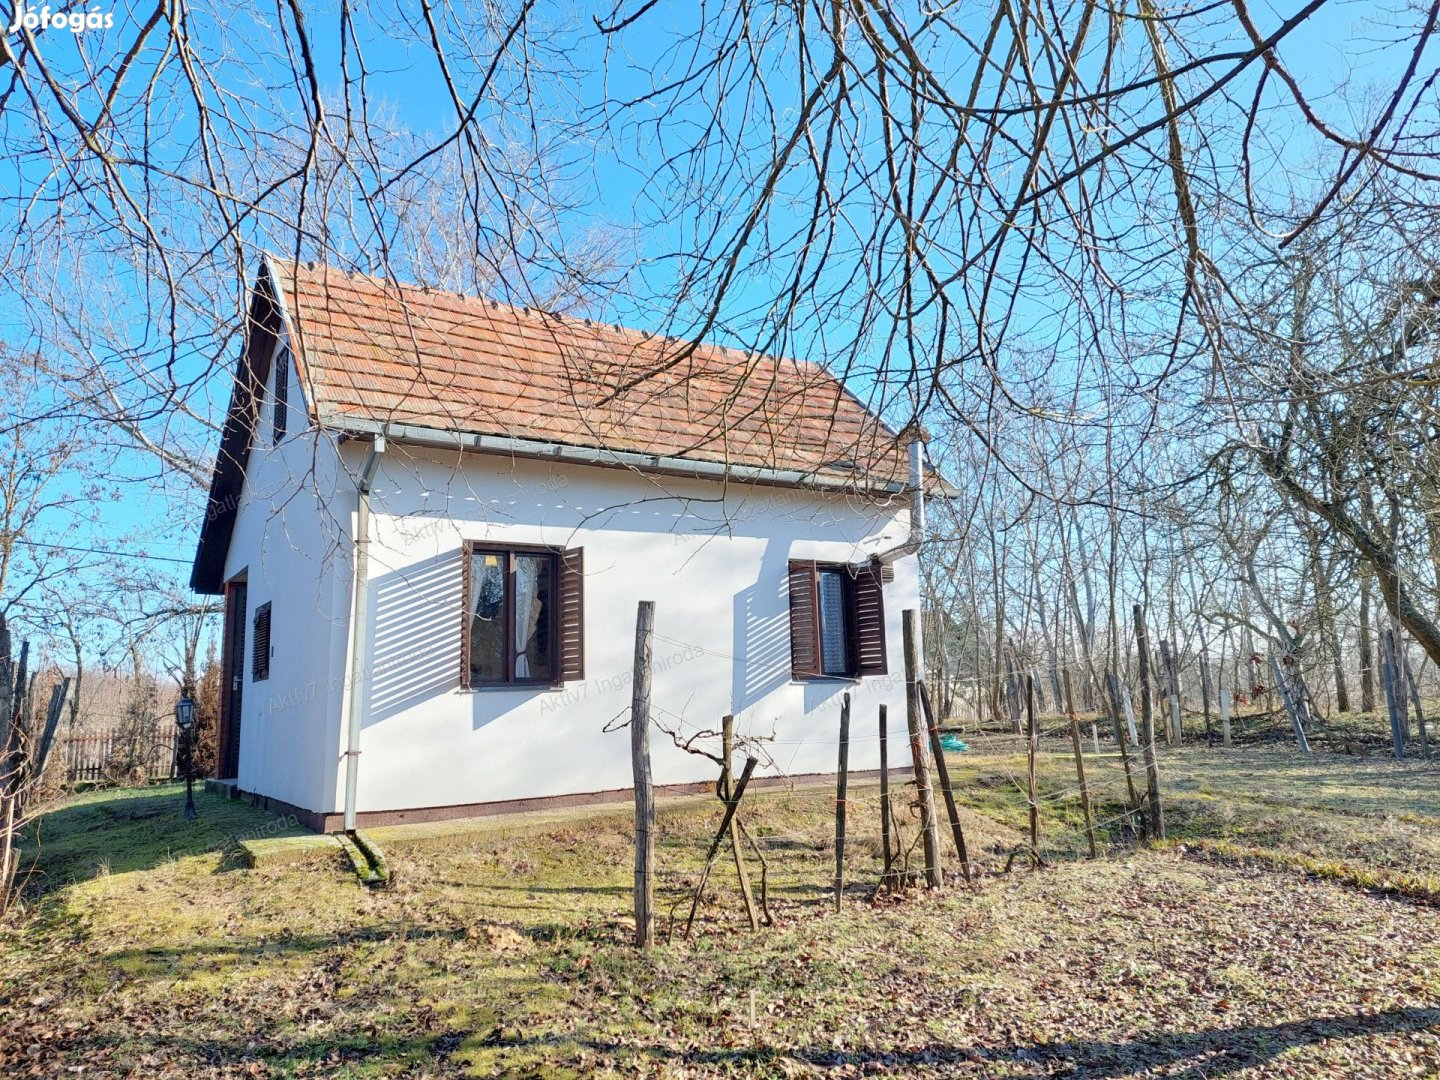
point(374, 857)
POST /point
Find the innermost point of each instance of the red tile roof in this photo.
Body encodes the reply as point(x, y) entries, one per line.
point(372, 351)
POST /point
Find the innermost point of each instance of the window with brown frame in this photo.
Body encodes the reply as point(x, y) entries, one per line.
point(260, 644)
point(524, 616)
point(837, 620)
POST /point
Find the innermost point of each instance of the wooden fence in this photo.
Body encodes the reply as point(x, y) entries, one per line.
point(109, 756)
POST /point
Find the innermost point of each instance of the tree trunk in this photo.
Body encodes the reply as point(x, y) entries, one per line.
point(997, 570)
point(1325, 626)
point(1156, 816)
point(1376, 551)
point(1367, 648)
point(1337, 657)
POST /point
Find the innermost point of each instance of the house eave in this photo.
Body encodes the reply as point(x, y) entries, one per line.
point(690, 468)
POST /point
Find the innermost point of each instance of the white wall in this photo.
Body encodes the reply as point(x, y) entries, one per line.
point(712, 558)
point(292, 544)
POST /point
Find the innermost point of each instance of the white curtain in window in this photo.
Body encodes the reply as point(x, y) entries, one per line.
point(527, 611)
point(834, 650)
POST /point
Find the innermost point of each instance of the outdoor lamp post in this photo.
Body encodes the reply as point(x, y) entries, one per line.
point(185, 721)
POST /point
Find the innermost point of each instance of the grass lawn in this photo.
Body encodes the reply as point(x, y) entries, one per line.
point(1290, 928)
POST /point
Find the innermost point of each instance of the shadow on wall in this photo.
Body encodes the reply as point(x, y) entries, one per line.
point(819, 694)
point(761, 632)
point(762, 638)
point(415, 634)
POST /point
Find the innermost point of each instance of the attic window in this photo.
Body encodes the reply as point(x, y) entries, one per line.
point(281, 397)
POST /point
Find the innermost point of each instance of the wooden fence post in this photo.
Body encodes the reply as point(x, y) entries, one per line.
point(58, 694)
point(1175, 729)
point(731, 808)
point(842, 784)
point(727, 726)
point(1292, 704)
point(1387, 679)
point(1079, 762)
point(918, 752)
point(8, 855)
point(640, 764)
point(1033, 743)
point(942, 769)
point(7, 692)
point(1205, 694)
point(1419, 713)
point(1156, 816)
point(1112, 684)
point(1084, 790)
point(886, 878)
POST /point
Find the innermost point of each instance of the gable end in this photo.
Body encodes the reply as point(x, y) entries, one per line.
point(265, 322)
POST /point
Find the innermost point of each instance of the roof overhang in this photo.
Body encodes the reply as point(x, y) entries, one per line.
point(690, 468)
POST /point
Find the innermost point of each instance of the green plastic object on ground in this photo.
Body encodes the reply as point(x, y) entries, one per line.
point(953, 742)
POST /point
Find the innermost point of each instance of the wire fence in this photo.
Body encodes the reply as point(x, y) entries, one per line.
point(990, 778)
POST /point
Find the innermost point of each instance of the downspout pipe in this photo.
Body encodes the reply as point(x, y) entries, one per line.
point(359, 615)
point(911, 543)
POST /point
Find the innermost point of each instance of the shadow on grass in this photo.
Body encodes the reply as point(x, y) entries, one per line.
point(1187, 1056)
point(168, 961)
point(337, 1055)
point(1193, 1055)
point(124, 830)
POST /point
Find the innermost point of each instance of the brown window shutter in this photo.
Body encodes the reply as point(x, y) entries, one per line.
point(572, 614)
point(465, 571)
point(804, 621)
point(281, 406)
point(260, 645)
point(869, 614)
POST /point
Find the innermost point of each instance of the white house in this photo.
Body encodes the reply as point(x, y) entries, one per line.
point(505, 485)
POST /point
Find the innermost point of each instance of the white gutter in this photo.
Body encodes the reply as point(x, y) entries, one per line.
point(359, 640)
point(629, 459)
point(911, 543)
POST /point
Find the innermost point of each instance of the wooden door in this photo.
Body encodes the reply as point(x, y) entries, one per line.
point(232, 688)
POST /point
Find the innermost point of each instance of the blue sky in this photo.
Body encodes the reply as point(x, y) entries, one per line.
point(1345, 42)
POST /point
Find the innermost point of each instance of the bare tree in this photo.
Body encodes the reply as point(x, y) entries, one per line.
point(1338, 404)
point(41, 486)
